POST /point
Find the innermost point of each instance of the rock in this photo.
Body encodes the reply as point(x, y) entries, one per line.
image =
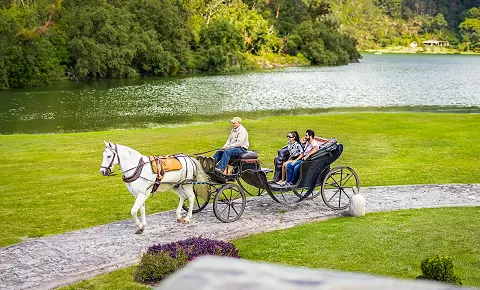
point(357, 205)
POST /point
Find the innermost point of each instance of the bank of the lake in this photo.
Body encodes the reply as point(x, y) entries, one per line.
point(420, 50)
point(403, 81)
point(51, 182)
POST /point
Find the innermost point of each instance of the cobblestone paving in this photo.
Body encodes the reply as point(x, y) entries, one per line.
point(53, 261)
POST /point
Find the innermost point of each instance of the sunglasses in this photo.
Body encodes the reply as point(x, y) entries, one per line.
point(289, 136)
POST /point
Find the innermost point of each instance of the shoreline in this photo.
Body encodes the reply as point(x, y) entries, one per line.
point(257, 115)
point(418, 50)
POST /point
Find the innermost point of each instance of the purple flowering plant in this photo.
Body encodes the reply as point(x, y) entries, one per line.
point(198, 246)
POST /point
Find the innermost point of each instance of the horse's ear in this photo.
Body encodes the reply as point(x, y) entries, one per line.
point(106, 143)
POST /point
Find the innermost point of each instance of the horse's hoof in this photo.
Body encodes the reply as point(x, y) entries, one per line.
point(139, 231)
point(186, 222)
point(179, 219)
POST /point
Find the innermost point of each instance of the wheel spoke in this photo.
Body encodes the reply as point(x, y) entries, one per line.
point(221, 212)
point(235, 197)
point(335, 182)
point(337, 191)
point(236, 212)
point(225, 196)
point(346, 192)
point(346, 179)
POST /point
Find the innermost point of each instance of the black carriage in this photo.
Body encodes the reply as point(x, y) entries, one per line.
point(336, 185)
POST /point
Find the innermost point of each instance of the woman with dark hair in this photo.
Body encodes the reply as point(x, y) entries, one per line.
point(311, 147)
point(295, 149)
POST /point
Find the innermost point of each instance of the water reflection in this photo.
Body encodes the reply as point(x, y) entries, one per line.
point(377, 81)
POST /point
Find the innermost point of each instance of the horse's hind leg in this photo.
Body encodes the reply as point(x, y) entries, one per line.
point(181, 199)
point(188, 190)
point(139, 202)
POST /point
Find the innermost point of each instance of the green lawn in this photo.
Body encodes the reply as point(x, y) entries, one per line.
point(51, 182)
point(385, 244)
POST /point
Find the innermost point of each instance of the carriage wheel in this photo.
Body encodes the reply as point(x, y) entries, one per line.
point(339, 185)
point(199, 202)
point(229, 203)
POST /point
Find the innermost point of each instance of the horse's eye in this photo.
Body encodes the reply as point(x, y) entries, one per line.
point(109, 156)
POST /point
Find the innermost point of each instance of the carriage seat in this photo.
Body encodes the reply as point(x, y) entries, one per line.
point(247, 155)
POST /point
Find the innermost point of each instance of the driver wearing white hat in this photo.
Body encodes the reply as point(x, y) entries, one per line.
point(236, 145)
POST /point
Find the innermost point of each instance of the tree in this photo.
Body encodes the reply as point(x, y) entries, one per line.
point(470, 29)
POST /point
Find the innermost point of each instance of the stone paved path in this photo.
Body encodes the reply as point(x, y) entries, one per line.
point(53, 261)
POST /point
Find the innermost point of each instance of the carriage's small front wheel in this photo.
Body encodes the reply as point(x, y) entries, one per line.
point(229, 203)
point(339, 185)
point(199, 202)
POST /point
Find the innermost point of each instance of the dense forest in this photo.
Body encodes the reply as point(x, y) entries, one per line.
point(45, 40)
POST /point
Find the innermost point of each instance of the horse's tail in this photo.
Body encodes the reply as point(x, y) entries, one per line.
point(201, 188)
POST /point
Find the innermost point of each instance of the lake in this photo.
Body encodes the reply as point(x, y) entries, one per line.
point(388, 80)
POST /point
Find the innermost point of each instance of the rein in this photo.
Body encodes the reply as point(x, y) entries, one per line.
point(206, 152)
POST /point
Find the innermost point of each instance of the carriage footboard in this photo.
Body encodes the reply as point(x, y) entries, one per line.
point(258, 178)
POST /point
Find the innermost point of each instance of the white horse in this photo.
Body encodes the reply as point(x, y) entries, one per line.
point(139, 177)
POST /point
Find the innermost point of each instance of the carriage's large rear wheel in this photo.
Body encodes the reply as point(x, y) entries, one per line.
point(199, 202)
point(229, 203)
point(339, 185)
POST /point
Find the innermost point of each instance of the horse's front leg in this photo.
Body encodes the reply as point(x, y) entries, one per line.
point(143, 215)
point(139, 202)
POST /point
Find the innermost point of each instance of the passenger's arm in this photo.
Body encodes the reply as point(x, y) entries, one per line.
point(313, 151)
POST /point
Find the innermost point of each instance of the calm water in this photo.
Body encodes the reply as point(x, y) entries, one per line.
point(377, 81)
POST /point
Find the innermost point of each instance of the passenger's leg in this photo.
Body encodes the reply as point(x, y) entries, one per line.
point(284, 169)
point(296, 171)
point(289, 172)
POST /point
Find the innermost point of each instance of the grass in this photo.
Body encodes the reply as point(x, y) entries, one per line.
point(119, 279)
point(386, 244)
point(51, 182)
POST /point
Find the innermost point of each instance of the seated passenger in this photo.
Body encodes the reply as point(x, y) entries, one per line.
point(294, 149)
point(311, 146)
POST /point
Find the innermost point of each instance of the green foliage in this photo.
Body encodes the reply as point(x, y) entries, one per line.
point(154, 267)
point(44, 40)
point(322, 45)
point(470, 29)
point(221, 48)
point(439, 269)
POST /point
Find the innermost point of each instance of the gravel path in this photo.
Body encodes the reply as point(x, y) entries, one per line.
point(53, 261)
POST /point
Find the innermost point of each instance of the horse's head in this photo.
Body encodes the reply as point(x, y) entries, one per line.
point(110, 158)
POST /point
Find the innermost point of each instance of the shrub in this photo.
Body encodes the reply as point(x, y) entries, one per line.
point(162, 260)
point(439, 269)
point(194, 247)
point(155, 267)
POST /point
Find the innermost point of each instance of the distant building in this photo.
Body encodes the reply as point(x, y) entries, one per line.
point(433, 42)
point(413, 44)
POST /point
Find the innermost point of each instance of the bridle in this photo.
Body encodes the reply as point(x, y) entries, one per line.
point(108, 169)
